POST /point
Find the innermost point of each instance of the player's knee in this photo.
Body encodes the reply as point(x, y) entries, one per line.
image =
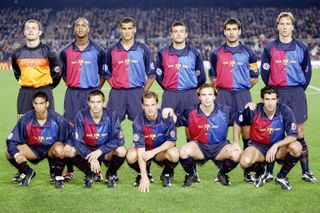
point(245, 162)
point(121, 151)
point(132, 155)
point(295, 149)
point(173, 154)
point(8, 156)
point(185, 151)
point(58, 150)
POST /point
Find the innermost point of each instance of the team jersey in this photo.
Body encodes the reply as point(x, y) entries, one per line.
point(129, 68)
point(269, 131)
point(36, 67)
point(151, 134)
point(233, 67)
point(180, 69)
point(212, 129)
point(106, 135)
point(83, 69)
point(286, 65)
point(29, 131)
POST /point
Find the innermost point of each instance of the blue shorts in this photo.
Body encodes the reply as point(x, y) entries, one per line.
point(263, 148)
point(126, 101)
point(75, 99)
point(180, 100)
point(295, 98)
point(234, 99)
point(25, 96)
point(41, 151)
point(211, 151)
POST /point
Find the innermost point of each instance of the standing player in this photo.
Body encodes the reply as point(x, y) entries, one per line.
point(286, 64)
point(128, 62)
point(234, 71)
point(39, 134)
point(180, 71)
point(35, 67)
point(273, 135)
point(208, 127)
point(82, 69)
point(99, 138)
point(154, 138)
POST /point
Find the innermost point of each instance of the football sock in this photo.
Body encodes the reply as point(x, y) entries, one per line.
point(245, 143)
point(58, 165)
point(22, 167)
point(270, 167)
point(227, 166)
point(188, 165)
point(69, 165)
point(115, 164)
point(304, 158)
point(82, 164)
point(169, 166)
point(135, 166)
point(288, 164)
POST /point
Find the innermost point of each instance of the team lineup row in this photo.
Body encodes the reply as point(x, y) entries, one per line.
point(129, 69)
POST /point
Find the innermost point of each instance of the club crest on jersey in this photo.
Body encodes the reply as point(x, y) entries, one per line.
point(80, 62)
point(207, 126)
point(198, 73)
point(96, 135)
point(270, 130)
point(266, 66)
point(136, 137)
point(31, 63)
point(172, 134)
point(151, 137)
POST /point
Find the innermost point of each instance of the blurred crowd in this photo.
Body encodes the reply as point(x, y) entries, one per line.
point(205, 26)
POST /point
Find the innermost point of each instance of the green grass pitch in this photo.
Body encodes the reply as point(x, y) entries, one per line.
point(41, 196)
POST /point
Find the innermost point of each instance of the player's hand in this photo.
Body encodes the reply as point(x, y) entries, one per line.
point(20, 159)
point(148, 155)
point(67, 150)
point(166, 112)
point(236, 148)
point(94, 155)
point(95, 166)
point(271, 154)
point(251, 106)
point(144, 184)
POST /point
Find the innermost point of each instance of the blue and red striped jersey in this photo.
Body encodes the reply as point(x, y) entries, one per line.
point(83, 69)
point(29, 131)
point(211, 129)
point(286, 65)
point(269, 131)
point(106, 135)
point(152, 134)
point(233, 67)
point(129, 68)
point(180, 69)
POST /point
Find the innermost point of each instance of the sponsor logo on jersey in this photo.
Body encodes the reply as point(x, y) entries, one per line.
point(208, 126)
point(270, 130)
point(80, 62)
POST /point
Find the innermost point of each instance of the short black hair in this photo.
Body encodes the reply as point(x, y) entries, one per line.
point(178, 23)
point(232, 21)
point(127, 20)
point(40, 94)
point(96, 93)
point(269, 90)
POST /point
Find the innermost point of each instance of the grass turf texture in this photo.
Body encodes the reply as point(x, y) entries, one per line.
point(41, 196)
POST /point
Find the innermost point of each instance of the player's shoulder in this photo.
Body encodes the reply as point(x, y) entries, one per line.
point(96, 45)
point(193, 49)
point(301, 44)
point(67, 46)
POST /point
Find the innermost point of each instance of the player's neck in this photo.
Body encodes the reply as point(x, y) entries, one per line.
point(179, 46)
point(42, 117)
point(270, 114)
point(82, 43)
point(33, 43)
point(152, 117)
point(207, 110)
point(285, 39)
point(233, 44)
point(96, 116)
point(127, 44)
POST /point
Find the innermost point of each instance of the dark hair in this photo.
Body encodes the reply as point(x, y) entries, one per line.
point(206, 85)
point(95, 93)
point(178, 23)
point(269, 90)
point(40, 94)
point(232, 21)
point(149, 94)
point(126, 20)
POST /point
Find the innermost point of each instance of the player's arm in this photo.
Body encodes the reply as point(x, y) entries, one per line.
point(159, 69)
point(150, 68)
point(306, 68)
point(265, 66)
point(253, 68)
point(213, 68)
point(55, 68)
point(199, 69)
point(144, 182)
point(17, 137)
point(63, 60)
point(108, 66)
point(103, 68)
point(15, 67)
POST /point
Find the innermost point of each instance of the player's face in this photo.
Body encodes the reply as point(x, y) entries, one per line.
point(32, 31)
point(270, 102)
point(285, 27)
point(207, 96)
point(40, 105)
point(232, 33)
point(150, 108)
point(81, 28)
point(127, 31)
point(179, 34)
point(96, 104)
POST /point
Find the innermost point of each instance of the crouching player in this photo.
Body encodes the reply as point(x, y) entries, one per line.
point(273, 136)
point(39, 134)
point(208, 127)
point(154, 138)
point(99, 138)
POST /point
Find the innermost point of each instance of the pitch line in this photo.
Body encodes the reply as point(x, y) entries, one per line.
point(314, 88)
